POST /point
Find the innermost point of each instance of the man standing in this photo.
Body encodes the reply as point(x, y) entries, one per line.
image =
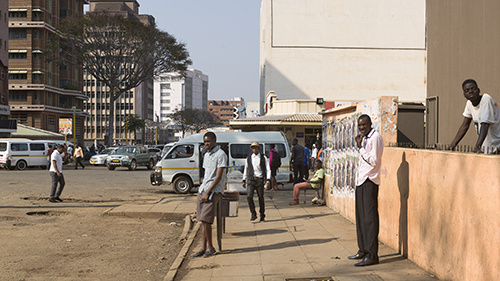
point(70, 153)
point(274, 163)
point(78, 157)
point(370, 146)
point(256, 172)
point(210, 191)
point(297, 161)
point(55, 171)
point(484, 111)
point(49, 153)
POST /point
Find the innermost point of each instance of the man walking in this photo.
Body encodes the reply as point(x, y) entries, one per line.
point(370, 146)
point(256, 173)
point(210, 191)
point(78, 157)
point(55, 171)
point(297, 161)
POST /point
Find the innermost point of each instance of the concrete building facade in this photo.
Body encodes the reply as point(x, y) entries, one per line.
point(4, 60)
point(138, 101)
point(42, 91)
point(173, 92)
point(343, 50)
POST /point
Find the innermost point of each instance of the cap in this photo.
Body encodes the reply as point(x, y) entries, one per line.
point(254, 144)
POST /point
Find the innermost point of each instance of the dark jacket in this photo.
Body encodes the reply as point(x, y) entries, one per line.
point(250, 172)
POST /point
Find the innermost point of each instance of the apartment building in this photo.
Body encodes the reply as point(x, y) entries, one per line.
point(138, 101)
point(41, 91)
point(174, 92)
point(4, 60)
point(227, 110)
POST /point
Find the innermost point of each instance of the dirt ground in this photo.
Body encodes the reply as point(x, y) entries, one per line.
point(73, 240)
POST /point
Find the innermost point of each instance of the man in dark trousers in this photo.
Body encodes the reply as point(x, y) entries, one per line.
point(370, 146)
point(256, 173)
point(297, 161)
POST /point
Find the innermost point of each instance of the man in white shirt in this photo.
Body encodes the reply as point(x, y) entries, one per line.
point(256, 173)
point(56, 164)
point(484, 111)
point(370, 146)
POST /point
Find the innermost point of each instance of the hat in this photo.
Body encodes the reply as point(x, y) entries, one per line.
point(254, 144)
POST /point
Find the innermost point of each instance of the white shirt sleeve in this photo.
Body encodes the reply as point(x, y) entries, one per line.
point(245, 170)
point(489, 110)
point(467, 112)
point(268, 169)
point(373, 154)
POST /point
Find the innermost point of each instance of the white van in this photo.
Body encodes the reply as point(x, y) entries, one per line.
point(182, 165)
point(23, 153)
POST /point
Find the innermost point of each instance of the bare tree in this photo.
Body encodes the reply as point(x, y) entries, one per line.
point(194, 119)
point(120, 52)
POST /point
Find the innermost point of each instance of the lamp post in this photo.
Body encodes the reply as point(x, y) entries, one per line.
point(74, 125)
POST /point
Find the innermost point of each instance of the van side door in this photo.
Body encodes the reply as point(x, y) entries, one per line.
point(38, 155)
point(182, 159)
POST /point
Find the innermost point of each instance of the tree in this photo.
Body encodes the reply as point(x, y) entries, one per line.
point(134, 123)
point(119, 52)
point(194, 119)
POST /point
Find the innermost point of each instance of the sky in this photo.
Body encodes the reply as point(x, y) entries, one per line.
point(222, 37)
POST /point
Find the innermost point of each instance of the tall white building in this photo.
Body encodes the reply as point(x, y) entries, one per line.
point(173, 92)
point(343, 50)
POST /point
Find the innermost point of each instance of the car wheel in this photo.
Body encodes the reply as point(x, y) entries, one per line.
point(111, 168)
point(151, 164)
point(133, 165)
point(21, 165)
point(182, 185)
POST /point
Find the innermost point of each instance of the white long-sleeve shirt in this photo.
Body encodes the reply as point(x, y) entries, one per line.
point(370, 158)
point(256, 167)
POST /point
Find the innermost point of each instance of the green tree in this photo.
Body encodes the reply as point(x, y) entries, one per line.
point(119, 52)
point(194, 119)
point(134, 123)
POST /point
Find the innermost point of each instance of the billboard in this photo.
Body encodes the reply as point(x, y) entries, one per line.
point(65, 126)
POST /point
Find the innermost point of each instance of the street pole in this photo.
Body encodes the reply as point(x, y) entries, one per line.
point(74, 125)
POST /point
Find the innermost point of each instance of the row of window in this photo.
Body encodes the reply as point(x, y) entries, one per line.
point(106, 95)
point(24, 14)
point(24, 76)
point(165, 108)
point(165, 101)
point(99, 106)
point(22, 34)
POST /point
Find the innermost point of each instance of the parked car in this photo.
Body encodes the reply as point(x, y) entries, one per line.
point(131, 157)
point(155, 151)
point(100, 159)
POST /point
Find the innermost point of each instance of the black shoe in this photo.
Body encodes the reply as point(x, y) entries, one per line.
point(358, 256)
point(83, 168)
point(254, 217)
point(367, 261)
point(58, 199)
point(262, 219)
point(52, 200)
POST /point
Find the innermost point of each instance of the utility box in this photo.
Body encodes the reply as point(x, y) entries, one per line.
point(229, 203)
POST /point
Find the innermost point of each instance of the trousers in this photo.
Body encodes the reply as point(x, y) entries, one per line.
point(54, 192)
point(298, 169)
point(252, 186)
point(367, 218)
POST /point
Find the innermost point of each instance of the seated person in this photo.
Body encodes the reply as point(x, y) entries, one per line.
point(189, 152)
point(313, 183)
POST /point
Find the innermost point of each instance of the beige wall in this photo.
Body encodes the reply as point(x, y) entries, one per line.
point(463, 42)
point(440, 210)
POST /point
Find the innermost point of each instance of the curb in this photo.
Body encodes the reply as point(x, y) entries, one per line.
point(172, 272)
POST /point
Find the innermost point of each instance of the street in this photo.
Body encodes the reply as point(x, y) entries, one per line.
point(72, 239)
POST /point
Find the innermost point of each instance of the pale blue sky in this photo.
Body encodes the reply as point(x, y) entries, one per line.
point(222, 37)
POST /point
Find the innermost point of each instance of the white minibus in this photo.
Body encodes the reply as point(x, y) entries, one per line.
point(23, 153)
point(182, 165)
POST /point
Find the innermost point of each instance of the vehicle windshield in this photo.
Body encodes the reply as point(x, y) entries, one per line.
point(107, 151)
point(124, 150)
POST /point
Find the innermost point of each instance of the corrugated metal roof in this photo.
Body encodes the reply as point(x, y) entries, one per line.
point(297, 117)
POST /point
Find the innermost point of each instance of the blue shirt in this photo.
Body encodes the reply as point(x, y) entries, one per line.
point(213, 160)
point(307, 154)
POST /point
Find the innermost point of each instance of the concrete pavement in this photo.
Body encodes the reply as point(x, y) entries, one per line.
point(303, 241)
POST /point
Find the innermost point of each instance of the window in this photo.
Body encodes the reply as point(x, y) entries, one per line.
point(37, 147)
point(18, 56)
point(18, 76)
point(36, 76)
point(165, 86)
point(18, 34)
point(36, 56)
point(241, 150)
point(181, 151)
point(19, 146)
point(18, 14)
point(3, 146)
point(36, 34)
point(165, 94)
point(279, 147)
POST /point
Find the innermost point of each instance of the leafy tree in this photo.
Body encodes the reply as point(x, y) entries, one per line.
point(134, 123)
point(194, 119)
point(119, 52)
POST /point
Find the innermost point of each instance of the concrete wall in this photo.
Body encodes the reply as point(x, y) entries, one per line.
point(343, 50)
point(463, 42)
point(439, 209)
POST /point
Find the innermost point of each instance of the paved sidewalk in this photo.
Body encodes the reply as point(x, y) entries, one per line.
point(303, 241)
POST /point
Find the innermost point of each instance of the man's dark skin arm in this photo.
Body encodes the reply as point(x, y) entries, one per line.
point(462, 130)
point(218, 178)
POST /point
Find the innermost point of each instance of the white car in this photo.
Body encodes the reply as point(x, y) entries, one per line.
point(100, 159)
